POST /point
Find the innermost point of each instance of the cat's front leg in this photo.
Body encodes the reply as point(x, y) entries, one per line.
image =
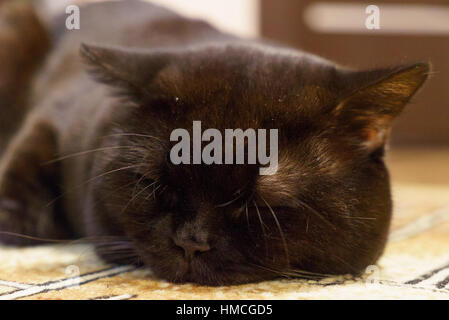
point(29, 187)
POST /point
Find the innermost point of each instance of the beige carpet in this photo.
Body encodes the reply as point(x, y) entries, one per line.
point(414, 266)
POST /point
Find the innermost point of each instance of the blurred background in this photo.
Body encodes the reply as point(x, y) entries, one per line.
point(409, 31)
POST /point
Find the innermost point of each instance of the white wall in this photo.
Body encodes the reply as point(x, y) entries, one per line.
point(237, 16)
point(240, 17)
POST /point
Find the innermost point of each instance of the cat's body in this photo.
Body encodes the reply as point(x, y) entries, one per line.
point(91, 158)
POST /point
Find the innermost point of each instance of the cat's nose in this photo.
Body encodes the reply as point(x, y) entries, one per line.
point(191, 246)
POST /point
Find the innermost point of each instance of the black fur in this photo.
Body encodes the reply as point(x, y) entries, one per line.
point(327, 210)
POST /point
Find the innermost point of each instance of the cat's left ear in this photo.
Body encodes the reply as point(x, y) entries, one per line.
point(128, 71)
point(375, 99)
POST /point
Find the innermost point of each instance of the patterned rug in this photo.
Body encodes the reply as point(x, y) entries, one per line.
point(414, 266)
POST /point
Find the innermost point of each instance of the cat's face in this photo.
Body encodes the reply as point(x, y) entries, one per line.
point(327, 208)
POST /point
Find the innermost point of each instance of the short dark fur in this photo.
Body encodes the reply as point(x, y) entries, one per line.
point(91, 158)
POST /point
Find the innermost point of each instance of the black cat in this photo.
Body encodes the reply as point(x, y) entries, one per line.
point(92, 157)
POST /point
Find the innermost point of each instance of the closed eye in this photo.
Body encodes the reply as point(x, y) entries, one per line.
point(143, 179)
point(256, 203)
point(275, 201)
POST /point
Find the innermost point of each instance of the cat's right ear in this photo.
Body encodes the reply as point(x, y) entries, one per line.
point(374, 99)
point(129, 72)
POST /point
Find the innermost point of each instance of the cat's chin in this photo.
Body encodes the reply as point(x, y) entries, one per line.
point(202, 272)
point(215, 280)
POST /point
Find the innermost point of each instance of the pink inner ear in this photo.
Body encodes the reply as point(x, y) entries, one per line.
point(377, 134)
point(368, 112)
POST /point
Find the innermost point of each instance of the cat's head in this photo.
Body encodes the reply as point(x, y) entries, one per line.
point(327, 208)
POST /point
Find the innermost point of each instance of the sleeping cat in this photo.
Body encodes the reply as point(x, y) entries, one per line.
point(91, 159)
